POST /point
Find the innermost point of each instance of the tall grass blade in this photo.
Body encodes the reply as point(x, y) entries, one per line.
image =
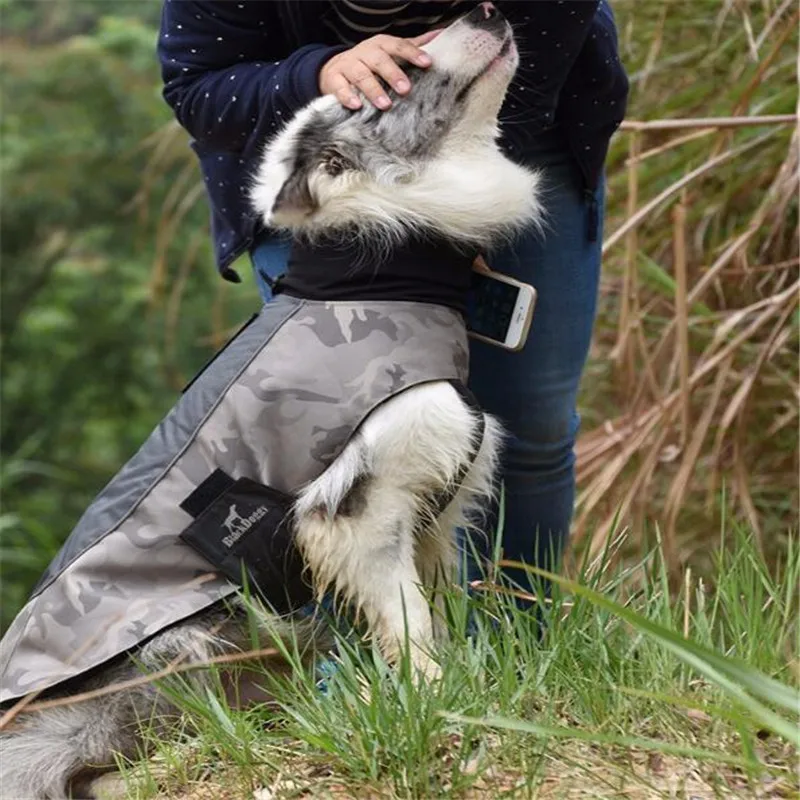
point(728, 673)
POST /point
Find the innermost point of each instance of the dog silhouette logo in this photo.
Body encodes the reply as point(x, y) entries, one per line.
point(233, 522)
point(237, 525)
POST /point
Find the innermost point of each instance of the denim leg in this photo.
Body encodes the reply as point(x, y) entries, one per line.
point(534, 391)
point(269, 258)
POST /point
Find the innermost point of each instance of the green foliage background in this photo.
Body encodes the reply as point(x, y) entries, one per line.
point(87, 347)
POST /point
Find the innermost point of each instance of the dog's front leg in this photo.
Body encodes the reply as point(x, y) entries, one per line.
point(364, 551)
point(436, 561)
point(359, 523)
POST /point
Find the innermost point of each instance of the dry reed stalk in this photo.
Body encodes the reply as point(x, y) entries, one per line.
point(684, 123)
point(490, 586)
point(173, 306)
point(634, 492)
point(753, 227)
point(603, 560)
point(722, 15)
point(596, 491)
point(161, 143)
point(742, 489)
point(592, 448)
point(641, 503)
point(708, 362)
point(682, 313)
point(164, 143)
point(770, 268)
point(593, 445)
point(177, 190)
point(747, 94)
point(748, 29)
point(773, 20)
point(671, 144)
point(687, 600)
point(765, 308)
point(218, 326)
point(734, 248)
point(766, 63)
point(645, 211)
point(655, 47)
point(649, 379)
point(691, 454)
point(622, 353)
point(175, 667)
point(168, 225)
point(736, 408)
point(784, 189)
point(784, 419)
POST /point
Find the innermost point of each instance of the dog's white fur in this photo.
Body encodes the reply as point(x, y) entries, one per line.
point(414, 447)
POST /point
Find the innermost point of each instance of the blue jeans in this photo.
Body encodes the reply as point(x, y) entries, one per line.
point(532, 391)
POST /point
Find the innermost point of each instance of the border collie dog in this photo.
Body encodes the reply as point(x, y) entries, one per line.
point(383, 206)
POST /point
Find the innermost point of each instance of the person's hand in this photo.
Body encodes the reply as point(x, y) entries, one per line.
point(362, 65)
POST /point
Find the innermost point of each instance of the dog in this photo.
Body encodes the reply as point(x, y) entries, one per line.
point(377, 527)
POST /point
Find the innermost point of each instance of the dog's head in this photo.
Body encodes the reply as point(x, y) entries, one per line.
point(431, 163)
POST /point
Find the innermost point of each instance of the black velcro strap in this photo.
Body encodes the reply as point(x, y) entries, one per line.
point(207, 492)
point(246, 532)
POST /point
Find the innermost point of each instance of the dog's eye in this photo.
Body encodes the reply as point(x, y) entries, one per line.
point(336, 165)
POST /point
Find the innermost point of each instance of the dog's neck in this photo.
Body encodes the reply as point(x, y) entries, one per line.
point(419, 270)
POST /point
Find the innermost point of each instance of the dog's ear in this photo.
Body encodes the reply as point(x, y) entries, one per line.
point(295, 197)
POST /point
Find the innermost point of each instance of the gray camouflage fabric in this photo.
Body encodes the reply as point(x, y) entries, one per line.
point(277, 405)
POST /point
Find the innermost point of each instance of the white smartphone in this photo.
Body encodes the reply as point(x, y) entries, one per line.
point(499, 309)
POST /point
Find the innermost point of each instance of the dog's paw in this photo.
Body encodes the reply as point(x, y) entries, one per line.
point(427, 669)
point(111, 786)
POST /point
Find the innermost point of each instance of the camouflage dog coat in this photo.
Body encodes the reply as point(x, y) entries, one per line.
point(275, 406)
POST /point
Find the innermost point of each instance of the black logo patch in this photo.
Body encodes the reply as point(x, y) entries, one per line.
point(245, 530)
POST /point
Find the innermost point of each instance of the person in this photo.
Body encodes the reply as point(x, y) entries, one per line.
point(235, 71)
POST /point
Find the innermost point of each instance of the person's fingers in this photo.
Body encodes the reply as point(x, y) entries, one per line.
point(406, 49)
point(480, 264)
point(422, 40)
point(362, 67)
point(361, 75)
point(381, 63)
point(337, 84)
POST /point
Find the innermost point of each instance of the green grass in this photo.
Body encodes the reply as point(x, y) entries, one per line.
point(610, 700)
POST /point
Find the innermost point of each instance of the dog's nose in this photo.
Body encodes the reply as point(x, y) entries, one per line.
point(486, 17)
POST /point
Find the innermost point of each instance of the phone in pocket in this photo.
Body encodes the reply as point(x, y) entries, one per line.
point(499, 308)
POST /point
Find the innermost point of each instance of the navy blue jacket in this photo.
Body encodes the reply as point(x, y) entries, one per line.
point(234, 70)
